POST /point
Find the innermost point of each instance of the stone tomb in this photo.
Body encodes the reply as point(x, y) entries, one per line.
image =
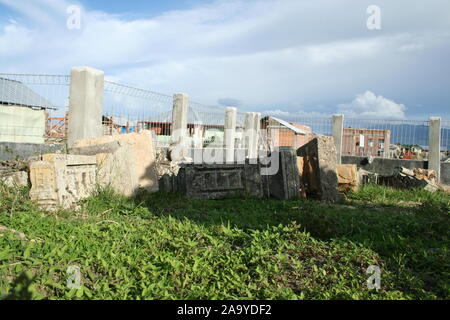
point(218, 181)
point(126, 162)
point(61, 180)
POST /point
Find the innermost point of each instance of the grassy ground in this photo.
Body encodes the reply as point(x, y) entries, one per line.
point(163, 246)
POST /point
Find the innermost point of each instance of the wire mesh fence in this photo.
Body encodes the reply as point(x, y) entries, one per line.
point(33, 107)
point(128, 109)
point(404, 139)
point(205, 125)
point(445, 135)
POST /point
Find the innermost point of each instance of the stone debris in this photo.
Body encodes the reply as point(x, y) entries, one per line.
point(404, 178)
point(164, 166)
point(347, 177)
point(319, 169)
point(15, 179)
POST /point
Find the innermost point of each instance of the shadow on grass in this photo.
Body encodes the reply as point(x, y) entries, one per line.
point(408, 229)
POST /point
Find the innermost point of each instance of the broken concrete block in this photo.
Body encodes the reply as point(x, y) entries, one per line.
point(285, 184)
point(130, 164)
point(319, 168)
point(62, 180)
point(15, 179)
point(347, 177)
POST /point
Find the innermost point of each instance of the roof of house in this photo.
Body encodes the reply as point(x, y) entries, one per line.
point(14, 92)
point(290, 126)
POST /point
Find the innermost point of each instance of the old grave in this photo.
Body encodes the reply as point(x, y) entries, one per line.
point(319, 176)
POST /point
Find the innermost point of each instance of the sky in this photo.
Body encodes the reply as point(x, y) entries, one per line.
point(282, 57)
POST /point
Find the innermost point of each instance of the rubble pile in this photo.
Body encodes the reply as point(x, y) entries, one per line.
point(404, 178)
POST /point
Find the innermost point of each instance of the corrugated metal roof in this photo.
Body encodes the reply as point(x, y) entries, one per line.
point(14, 92)
point(290, 126)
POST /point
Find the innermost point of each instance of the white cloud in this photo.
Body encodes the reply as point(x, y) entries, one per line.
point(262, 53)
point(369, 105)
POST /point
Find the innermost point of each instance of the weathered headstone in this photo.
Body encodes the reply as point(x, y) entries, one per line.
point(218, 181)
point(285, 184)
point(62, 180)
point(319, 168)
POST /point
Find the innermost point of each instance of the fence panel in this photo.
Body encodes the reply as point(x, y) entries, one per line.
point(405, 139)
point(128, 109)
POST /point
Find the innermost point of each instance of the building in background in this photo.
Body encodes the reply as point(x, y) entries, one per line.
point(280, 133)
point(23, 116)
point(366, 142)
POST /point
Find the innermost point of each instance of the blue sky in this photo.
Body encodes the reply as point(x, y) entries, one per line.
point(285, 57)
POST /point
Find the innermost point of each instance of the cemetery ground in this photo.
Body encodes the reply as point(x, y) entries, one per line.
point(164, 246)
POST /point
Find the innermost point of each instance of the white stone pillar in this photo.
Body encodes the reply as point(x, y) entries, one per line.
point(85, 104)
point(230, 133)
point(434, 156)
point(251, 133)
point(248, 133)
point(179, 126)
point(338, 132)
point(257, 129)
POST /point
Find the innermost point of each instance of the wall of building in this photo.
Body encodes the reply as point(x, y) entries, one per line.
point(287, 137)
point(351, 144)
point(22, 124)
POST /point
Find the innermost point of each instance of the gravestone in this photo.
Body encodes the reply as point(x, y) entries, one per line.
point(61, 180)
point(319, 169)
point(285, 184)
point(218, 181)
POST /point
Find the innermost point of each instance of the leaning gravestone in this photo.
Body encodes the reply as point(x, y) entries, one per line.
point(285, 184)
point(319, 168)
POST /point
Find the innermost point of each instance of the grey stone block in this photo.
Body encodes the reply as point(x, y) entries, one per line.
point(220, 181)
point(320, 160)
point(285, 184)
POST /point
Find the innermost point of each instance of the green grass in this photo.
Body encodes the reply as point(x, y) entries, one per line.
point(163, 246)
